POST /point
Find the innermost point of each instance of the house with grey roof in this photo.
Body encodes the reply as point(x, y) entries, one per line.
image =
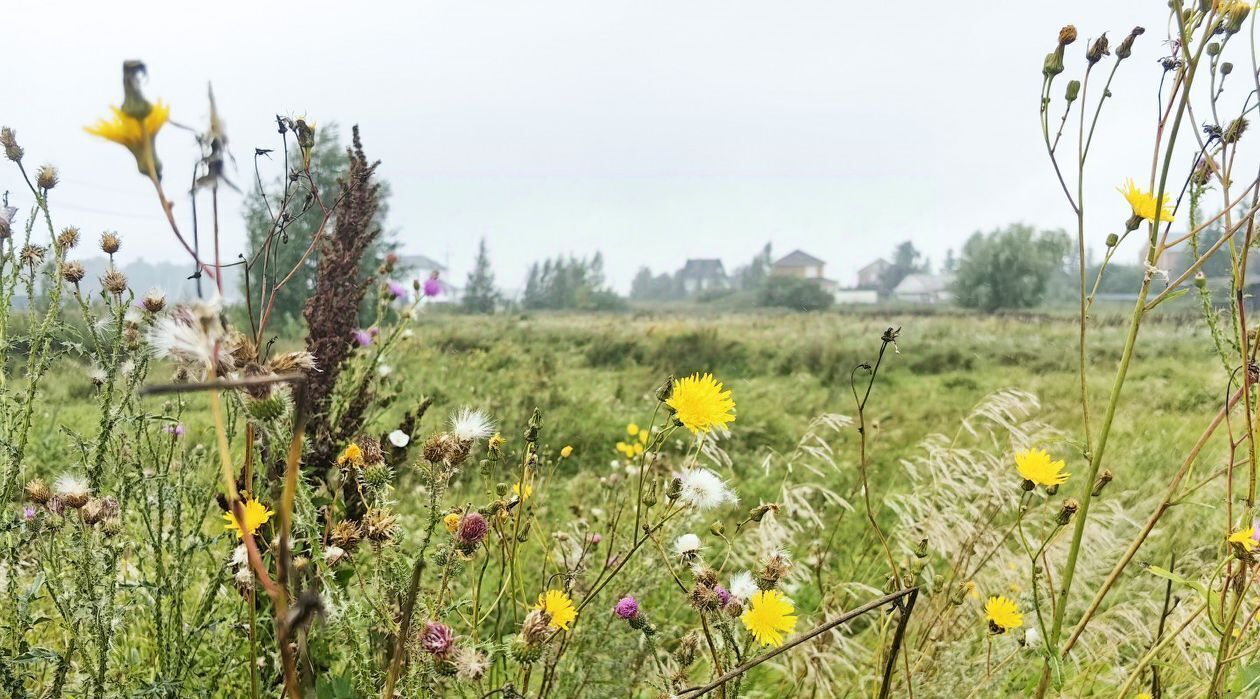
point(699, 275)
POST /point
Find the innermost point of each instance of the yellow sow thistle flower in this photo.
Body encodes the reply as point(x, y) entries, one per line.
point(700, 404)
point(1037, 468)
point(566, 452)
point(1003, 615)
point(451, 522)
point(352, 454)
point(1143, 203)
point(256, 515)
point(136, 135)
point(559, 607)
point(768, 617)
point(523, 493)
point(1244, 539)
point(632, 429)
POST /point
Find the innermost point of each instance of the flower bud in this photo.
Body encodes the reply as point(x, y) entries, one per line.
point(1073, 90)
point(1103, 479)
point(8, 139)
point(1070, 507)
point(1112, 240)
point(1067, 35)
point(1125, 49)
point(1098, 49)
point(1227, 68)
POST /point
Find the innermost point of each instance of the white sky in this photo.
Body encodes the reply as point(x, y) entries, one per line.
point(653, 131)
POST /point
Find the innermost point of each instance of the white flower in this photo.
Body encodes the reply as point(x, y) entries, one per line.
point(384, 370)
point(333, 555)
point(399, 438)
point(469, 425)
point(704, 489)
point(194, 334)
point(1032, 638)
point(743, 586)
point(71, 486)
point(240, 556)
point(686, 545)
point(408, 332)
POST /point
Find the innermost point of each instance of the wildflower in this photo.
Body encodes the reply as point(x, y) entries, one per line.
point(630, 449)
point(1244, 539)
point(176, 431)
point(559, 607)
point(470, 664)
point(46, 177)
point(700, 404)
point(523, 490)
point(469, 425)
point(399, 438)
point(687, 545)
point(397, 290)
point(363, 337)
point(1002, 614)
point(626, 608)
point(114, 282)
point(472, 530)
point(380, 525)
point(110, 243)
point(451, 522)
point(743, 587)
point(1144, 205)
point(1037, 469)
point(432, 287)
point(136, 134)
point(632, 430)
point(768, 617)
point(346, 534)
point(352, 455)
point(154, 301)
point(28, 513)
point(566, 452)
point(703, 489)
point(437, 638)
point(72, 490)
point(254, 515)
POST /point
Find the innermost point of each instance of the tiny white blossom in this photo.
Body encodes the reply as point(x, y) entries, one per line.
point(469, 425)
point(743, 586)
point(384, 370)
point(399, 438)
point(686, 545)
point(704, 490)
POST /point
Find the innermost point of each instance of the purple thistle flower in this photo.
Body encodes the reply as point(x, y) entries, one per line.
point(472, 529)
point(397, 289)
point(28, 513)
point(363, 337)
point(596, 538)
point(176, 430)
point(627, 608)
point(432, 287)
point(722, 594)
point(437, 638)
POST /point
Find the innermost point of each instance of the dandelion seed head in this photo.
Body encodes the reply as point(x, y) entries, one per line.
point(470, 425)
point(704, 490)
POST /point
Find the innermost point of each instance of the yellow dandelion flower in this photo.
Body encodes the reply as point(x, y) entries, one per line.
point(523, 493)
point(1144, 204)
point(136, 135)
point(700, 404)
point(632, 429)
point(624, 448)
point(559, 606)
point(1003, 615)
point(644, 436)
point(1035, 466)
point(256, 515)
point(1246, 538)
point(566, 452)
point(352, 454)
point(451, 522)
point(768, 617)
point(637, 449)
point(970, 589)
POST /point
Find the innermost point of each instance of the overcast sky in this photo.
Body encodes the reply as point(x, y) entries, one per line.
point(652, 131)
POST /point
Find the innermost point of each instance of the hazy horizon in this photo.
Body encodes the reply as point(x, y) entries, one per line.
point(652, 132)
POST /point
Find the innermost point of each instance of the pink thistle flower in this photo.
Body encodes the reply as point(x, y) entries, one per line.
point(627, 608)
point(437, 638)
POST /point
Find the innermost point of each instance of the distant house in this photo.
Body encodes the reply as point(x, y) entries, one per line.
point(798, 264)
point(422, 267)
point(702, 275)
point(869, 276)
point(852, 297)
point(925, 288)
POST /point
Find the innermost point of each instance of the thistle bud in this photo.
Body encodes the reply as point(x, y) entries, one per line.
point(1213, 49)
point(134, 104)
point(717, 528)
point(1098, 49)
point(8, 139)
point(1073, 90)
point(1200, 279)
point(1235, 14)
point(1069, 508)
point(1125, 49)
point(1054, 63)
point(46, 177)
point(1234, 130)
point(1227, 68)
point(675, 490)
point(1103, 479)
point(1027, 485)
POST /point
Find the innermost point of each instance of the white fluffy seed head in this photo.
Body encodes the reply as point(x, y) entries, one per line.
point(704, 490)
point(469, 425)
point(743, 586)
point(68, 485)
point(686, 545)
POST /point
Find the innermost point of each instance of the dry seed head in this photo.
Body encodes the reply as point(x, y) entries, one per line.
point(46, 177)
point(371, 449)
point(110, 242)
point(1067, 35)
point(292, 362)
point(68, 238)
point(8, 139)
point(1125, 49)
point(704, 598)
point(535, 628)
point(1070, 507)
point(37, 492)
point(1098, 49)
point(32, 255)
point(114, 282)
point(154, 301)
point(346, 535)
point(380, 525)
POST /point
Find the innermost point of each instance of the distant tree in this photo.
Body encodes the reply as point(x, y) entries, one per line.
point(951, 263)
point(1009, 268)
point(480, 294)
point(796, 293)
point(329, 163)
point(906, 260)
point(652, 287)
point(570, 283)
point(754, 274)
